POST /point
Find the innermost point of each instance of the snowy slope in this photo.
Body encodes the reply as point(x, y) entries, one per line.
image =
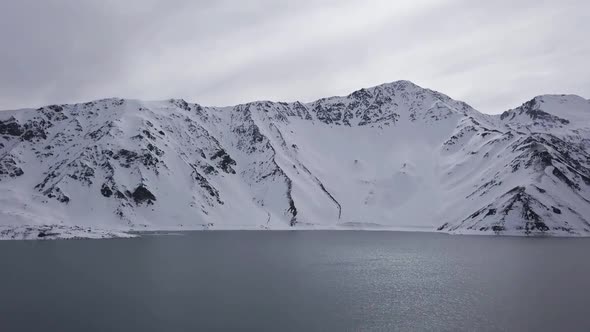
point(392, 156)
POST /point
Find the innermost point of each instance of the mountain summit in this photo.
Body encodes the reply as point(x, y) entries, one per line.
point(394, 156)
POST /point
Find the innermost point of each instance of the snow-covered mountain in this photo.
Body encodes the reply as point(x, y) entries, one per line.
point(392, 156)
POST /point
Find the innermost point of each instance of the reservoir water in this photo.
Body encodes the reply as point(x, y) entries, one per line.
point(296, 281)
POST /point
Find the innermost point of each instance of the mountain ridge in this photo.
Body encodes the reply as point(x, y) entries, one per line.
point(372, 157)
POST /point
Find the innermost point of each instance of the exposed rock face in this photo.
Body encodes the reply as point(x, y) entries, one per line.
point(141, 194)
point(395, 155)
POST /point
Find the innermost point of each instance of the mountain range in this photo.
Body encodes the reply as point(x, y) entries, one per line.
point(394, 156)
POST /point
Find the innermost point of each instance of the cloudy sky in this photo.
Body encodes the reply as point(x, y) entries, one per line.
point(492, 54)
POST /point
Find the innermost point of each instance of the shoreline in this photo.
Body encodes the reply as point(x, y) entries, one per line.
point(67, 232)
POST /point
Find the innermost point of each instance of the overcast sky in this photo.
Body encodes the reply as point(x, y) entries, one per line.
point(492, 54)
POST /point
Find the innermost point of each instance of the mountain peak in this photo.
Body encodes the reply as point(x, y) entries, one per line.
point(560, 109)
point(399, 85)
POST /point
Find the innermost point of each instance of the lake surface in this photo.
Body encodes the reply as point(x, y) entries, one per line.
point(296, 281)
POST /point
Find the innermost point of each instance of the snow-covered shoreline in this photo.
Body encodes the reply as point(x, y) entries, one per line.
point(62, 232)
point(59, 232)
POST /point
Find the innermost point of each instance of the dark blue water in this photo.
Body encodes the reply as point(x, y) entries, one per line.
point(296, 281)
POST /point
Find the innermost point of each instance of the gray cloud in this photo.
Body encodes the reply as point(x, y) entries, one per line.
point(493, 55)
